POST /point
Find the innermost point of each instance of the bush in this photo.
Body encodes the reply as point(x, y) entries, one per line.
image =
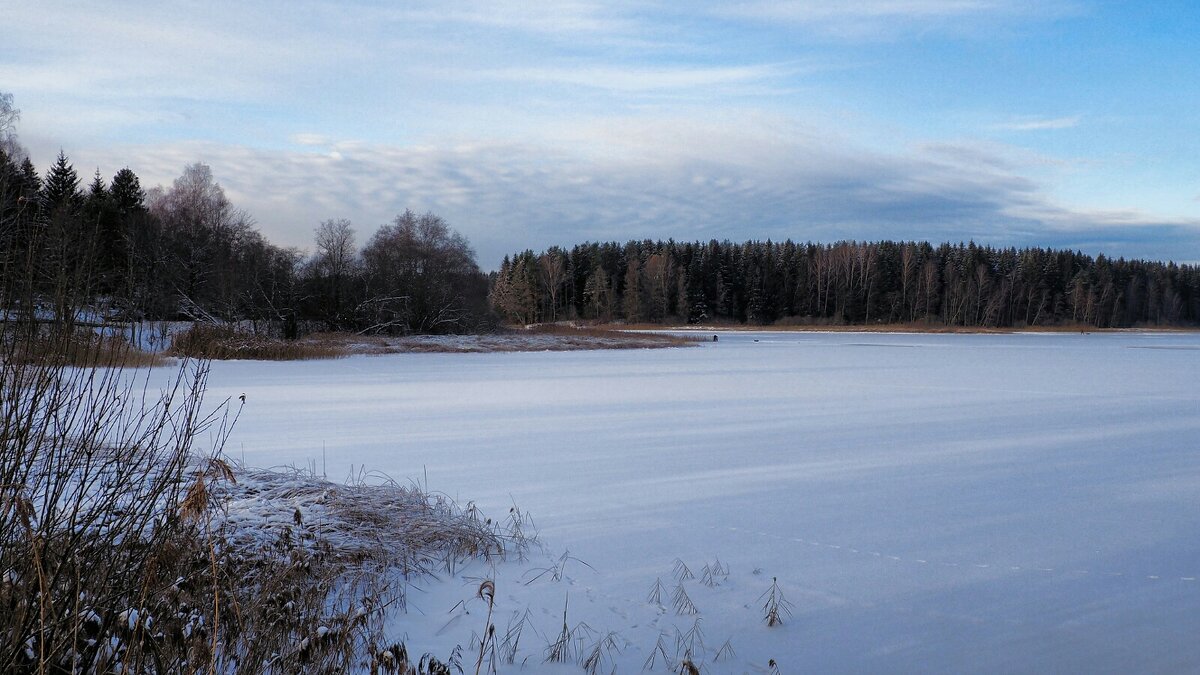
point(93, 477)
point(127, 547)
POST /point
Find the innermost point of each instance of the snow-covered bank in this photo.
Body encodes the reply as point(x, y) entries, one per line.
point(927, 502)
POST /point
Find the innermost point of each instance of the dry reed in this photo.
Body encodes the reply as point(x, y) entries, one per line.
point(206, 341)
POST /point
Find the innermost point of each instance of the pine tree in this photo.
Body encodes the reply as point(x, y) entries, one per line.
point(633, 291)
point(500, 296)
point(523, 298)
point(597, 293)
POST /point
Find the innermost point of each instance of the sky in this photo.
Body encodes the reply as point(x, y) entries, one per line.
point(526, 124)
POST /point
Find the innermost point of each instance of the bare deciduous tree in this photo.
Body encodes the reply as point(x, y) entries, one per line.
point(421, 277)
point(332, 271)
point(206, 234)
point(553, 269)
point(335, 246)
point(9, 115)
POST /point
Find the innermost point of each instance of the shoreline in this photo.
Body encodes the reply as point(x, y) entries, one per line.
point(546, 340)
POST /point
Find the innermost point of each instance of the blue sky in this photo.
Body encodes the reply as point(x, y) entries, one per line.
point(1066, 123)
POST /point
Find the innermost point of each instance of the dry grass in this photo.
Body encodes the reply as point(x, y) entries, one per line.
point(380, 523)
point(617, 336)
point(541, 338)
point(775, 606)
point(313, 565)
point(255, 571)
point(79, 348)
point(204, 341)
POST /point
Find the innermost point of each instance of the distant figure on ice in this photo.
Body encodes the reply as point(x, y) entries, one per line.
point(714, 338)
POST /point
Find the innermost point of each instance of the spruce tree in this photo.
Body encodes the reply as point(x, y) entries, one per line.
point(135, 241)
point(10, 207)
point(31, 182)
point(28, 188)
point(100, 215)
point(127, 194)
point(67, 243)
point(96, 202)
point(62, 185)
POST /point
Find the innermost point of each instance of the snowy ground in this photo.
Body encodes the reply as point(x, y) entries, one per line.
point(948, 503)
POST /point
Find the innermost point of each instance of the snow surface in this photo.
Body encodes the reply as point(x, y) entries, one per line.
point(928, 503)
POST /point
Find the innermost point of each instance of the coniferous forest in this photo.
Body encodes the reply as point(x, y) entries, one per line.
point(844, 283)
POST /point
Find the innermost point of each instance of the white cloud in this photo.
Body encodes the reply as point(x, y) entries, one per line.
point(1040, 124)
point(705, 181)
point(309, 139)
point(640, 79)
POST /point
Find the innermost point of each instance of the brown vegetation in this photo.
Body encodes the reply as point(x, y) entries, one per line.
point(619, 337)
point(559, 337)
point(80, 347)
point(207, 341)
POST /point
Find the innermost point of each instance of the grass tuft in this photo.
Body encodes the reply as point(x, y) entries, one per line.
point(775, 606)
point(512, 637)
point(690, 644)
point(681, 603)
point(681, 571)
point(600, 654)
point(562, 650)
point(656, 593)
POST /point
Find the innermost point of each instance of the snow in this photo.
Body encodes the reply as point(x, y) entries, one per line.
point(941, 503)
point(130, 618)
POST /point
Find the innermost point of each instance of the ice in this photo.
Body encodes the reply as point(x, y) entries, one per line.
point(944, 503)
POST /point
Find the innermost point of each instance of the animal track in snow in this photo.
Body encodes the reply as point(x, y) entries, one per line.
point(923, 561)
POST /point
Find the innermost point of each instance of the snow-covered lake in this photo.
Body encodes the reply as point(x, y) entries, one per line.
point(928, 503)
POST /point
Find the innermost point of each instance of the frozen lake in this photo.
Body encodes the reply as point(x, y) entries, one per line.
point(951, 503)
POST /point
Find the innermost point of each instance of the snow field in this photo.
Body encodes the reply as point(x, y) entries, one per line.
point(927, 502)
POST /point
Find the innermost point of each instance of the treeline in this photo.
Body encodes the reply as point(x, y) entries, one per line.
point(186, 252)
point(847, 282)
